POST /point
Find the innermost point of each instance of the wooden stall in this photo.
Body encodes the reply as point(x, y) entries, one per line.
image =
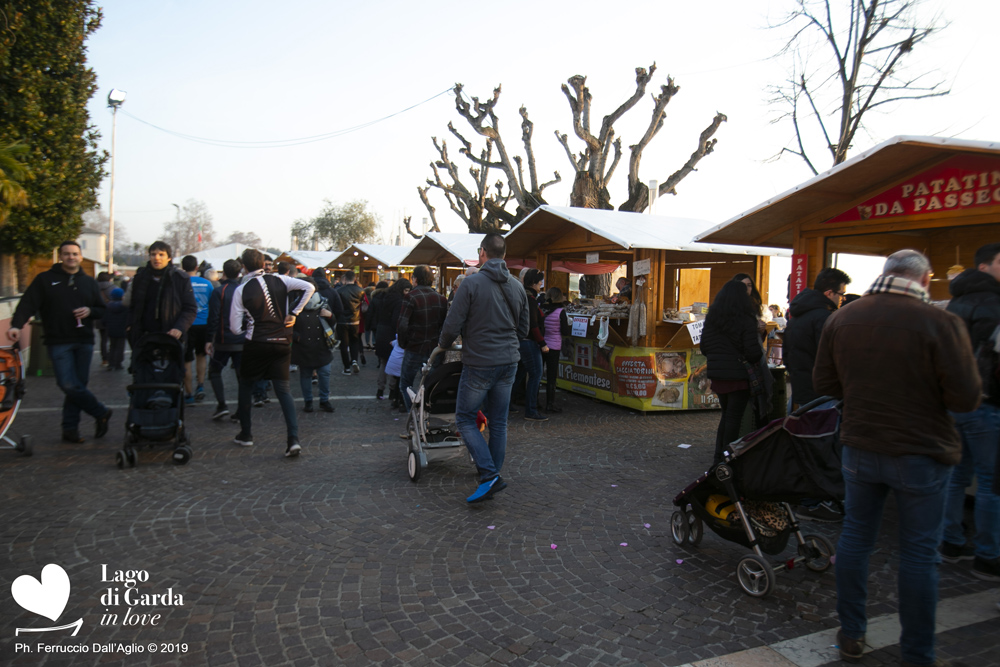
point(308, 259)
point(938, 196)
point(450, 254)
point(372, 262)
point(644, 356)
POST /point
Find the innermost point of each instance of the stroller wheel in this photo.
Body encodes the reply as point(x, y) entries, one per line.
point(120, 459)
point(818, 552)
point(755, 575)
point(696, 529)
point(182, 455)
point(24, 446)
point(678, 528)
point(413, 466)
point(131, 456)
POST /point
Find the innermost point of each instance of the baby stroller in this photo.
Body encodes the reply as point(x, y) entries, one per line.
point(745, 498)
point(11, 393)
point(431, 422)
point(156, 403)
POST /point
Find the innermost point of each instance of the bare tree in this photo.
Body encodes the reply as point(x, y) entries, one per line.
point(191, 231)
point(484, 206)
point(593, 173)
point(246, 238)
point(868, 40)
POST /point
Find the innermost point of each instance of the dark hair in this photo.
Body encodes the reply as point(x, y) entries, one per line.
point(494, 246)
point(423, 275)
point(732, 309)
point(284, 268)
point(231, 269)
point(532, 276)
point(253, 260)
point(349, 276)
point(189, 263)
point(830, 279)
point(754, 294)
point(103, 276)
point(268, 258)
point(66, 243)
point(987, 254)
point(400, 286)
point(381, 284)
point(554, 294)
point(157, 246)
point(321, 272)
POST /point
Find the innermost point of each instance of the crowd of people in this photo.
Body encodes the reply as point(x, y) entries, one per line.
point(268, 319)
point(918, 387)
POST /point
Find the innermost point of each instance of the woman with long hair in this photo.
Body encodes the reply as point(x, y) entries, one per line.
point(732, 348)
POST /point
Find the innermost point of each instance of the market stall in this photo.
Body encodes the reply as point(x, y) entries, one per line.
point(641, 350)
point(938, 196)
point(308, 259)
point(372, 262)
point(450, 254)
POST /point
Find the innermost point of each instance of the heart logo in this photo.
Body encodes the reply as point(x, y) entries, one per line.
point(47, 597)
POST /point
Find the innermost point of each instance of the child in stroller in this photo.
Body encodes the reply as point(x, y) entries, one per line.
point(156, 405)
point(745, 498)
point(431, 421)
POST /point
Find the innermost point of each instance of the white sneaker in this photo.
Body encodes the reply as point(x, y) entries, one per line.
point(293, 448)
point(355, 368)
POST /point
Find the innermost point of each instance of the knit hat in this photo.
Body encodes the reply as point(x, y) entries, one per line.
point(117, 294)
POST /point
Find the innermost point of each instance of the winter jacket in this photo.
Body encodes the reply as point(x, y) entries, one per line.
point(387, 310)
point(556, 324)
point(421, 319)
point(807, 313)
point(975, 297)
point(899, 364)
point(725, 349)
point(536, 327)
point(116, 319)
point(350, 297)
point(490, 324)
point(371, 323)
point(54, 295)
point(262, 303)
point(157, 306)
point(220, 305)
point(309, 347)
point(105, 286)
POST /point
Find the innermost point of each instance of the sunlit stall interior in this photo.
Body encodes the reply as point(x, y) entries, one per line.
point(372, 262)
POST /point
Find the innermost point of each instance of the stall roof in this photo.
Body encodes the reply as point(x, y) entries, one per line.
point(216, 256)
point(628, 230)
point(311, 259)
point(864, 174)
point(386, 255)
point(442, 248)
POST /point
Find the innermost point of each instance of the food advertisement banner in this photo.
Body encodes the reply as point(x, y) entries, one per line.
point(647, 379)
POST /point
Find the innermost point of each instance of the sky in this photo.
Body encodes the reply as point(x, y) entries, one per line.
point(251, 71)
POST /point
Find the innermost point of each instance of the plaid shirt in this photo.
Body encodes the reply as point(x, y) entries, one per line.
point(890, 284)
point(421, 320)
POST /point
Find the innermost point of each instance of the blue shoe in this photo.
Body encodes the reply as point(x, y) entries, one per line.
point(189, 399)
point(486, 490)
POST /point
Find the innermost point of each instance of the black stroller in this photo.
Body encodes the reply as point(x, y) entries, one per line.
point(156, 403)
point(431, 422)
point(745, 498)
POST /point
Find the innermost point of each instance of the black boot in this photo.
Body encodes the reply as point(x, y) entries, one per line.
point(551, 408)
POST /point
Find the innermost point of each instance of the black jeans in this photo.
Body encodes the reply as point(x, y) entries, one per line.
point(734, 404)
point(551, 375)
point(350, 344)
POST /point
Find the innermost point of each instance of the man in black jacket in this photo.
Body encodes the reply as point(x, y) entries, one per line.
point(976, 299)
point(69, 301)
point(807, 313)
point(348, 321)
point(160, 298)
point(806, 316)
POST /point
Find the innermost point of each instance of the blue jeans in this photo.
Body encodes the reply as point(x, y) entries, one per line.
point(305, 381)
point(412, 363)
point(488, 388)
point(531, 364)
point(71, 362)
point(980, 431)
point(919, 484)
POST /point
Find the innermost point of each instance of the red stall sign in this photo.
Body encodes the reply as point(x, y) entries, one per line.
point(800, 275)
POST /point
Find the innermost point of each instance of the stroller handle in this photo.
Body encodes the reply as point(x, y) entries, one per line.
point(441, 350)
point(812, 404)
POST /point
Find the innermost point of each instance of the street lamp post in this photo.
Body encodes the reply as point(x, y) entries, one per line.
point(115, 99)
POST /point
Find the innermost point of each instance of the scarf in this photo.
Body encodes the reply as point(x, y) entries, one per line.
point(890, 284)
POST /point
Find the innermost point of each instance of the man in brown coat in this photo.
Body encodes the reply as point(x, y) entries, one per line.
point(900, 364)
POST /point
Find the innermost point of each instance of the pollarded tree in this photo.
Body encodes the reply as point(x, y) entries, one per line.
point(868, 41)
point(593, 173)
point(191, 231)
point(45, 85)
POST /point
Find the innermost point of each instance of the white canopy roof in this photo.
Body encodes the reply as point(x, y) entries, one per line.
point(313, 258)
point(629, 230)
point(216, 256)
point(460, 247)
point(386, 255)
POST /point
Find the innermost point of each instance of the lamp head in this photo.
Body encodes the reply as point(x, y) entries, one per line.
point(116, 98)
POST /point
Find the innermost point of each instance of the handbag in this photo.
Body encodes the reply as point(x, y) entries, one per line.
point(329, 335)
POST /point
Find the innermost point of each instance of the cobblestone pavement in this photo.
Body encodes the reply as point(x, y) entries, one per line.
point(337, 558)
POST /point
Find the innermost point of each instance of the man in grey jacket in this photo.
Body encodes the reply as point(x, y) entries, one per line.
point(490, 312)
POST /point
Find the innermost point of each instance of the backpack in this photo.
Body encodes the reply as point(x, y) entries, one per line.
point(988, 363)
